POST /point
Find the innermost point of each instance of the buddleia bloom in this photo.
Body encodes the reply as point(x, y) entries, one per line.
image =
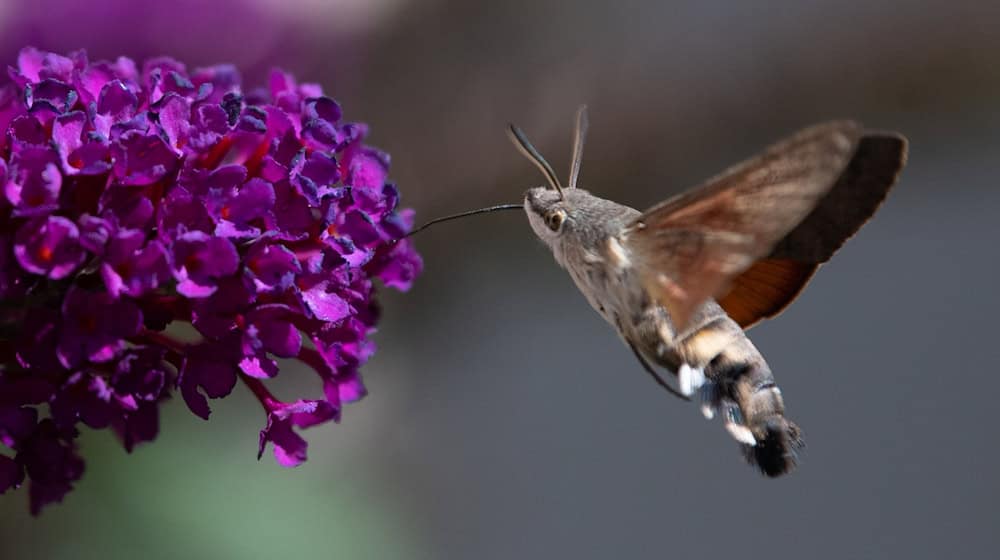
point(137, 199)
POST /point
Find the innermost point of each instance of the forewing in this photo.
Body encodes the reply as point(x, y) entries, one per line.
point(854, 198)
point(690, 247)
point(771, 284)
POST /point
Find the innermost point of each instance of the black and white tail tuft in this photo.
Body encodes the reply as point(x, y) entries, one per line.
point(778, 444)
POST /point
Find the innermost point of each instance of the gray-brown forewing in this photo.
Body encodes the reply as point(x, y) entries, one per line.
point(690, 247)
point(770, 284)
point(852, 201)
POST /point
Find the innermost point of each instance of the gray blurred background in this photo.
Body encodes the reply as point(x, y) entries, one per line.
point(505, 419)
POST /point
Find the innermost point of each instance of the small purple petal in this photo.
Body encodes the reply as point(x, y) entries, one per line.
point(141, 372)
point(220, 313)
point(55, 93)
point(117, 101)
point(211, 367)
point(83, 398)
point(156, 76)
point(208, 125)
point(275, 329)
point(253, 119)
point(126, 207)
point(138, 426)
point(67, 134)
point(350, 388)
point(93, 78)
point(29, 63)
point(27, 130)
point(236, 208)
point(289, 447)
point(360, 228)
point(317, 177)
point(141, 159)
point(292, 215)
point(181, 211)
point(95, 327)
point(16, 424)
point(349, 252)
point(272, 267)
point(94, 233)
point(35, 65)
point(52, 465)
point(324, 304)
point(49, 246)
point(366, 168)
point(175, 117)
point(224, 79)
point(200, 260)
point(34, 182)
point(399, 267)
point(134, 267)
point(259, 366)
point(92, 158)
point(254, 199)
point(323, 108)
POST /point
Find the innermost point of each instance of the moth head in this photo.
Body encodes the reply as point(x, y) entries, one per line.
point(550, 209)
point(548, 212)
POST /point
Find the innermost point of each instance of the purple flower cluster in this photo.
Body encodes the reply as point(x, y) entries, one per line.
point(136, 199)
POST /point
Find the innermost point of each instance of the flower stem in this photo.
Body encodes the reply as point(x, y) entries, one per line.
point(258, 389)
point(312, 358)
point(176, 350)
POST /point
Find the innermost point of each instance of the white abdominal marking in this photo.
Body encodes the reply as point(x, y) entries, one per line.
point(690, 379)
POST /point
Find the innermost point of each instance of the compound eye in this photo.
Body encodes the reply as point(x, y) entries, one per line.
point(555, 219)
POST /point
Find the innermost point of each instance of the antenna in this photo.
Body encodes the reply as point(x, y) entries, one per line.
point(579, 137)
point(524, 146)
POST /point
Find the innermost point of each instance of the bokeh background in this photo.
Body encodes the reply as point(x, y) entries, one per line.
point(505, 419)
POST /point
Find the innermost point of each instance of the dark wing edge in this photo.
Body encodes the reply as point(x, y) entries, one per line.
point(853, 200)
point(693, 245)
point(769, 286)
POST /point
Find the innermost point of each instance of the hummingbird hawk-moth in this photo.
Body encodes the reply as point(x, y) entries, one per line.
point(683, 280)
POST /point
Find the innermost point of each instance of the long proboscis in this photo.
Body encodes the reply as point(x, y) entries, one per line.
point(488, 209)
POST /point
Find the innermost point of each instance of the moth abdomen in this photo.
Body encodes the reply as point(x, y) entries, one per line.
point(742, 376)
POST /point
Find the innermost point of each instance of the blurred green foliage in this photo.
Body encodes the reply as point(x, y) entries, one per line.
point(199, 492)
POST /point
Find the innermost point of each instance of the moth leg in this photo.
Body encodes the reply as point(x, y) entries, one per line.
point(711, 399)
point(659, 380)
point(735, 424)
